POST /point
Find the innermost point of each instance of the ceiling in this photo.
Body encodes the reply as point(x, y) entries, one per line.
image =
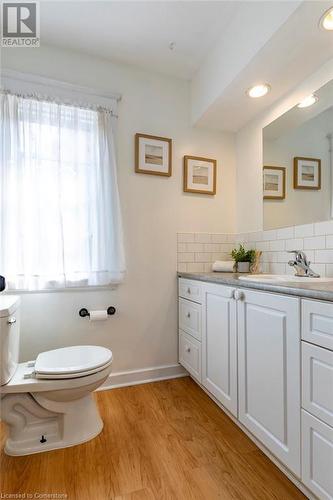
point(221, 47)
point(290, 55)
point(139, 33)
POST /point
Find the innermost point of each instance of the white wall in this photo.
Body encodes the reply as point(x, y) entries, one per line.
point(144, 331)
point(301, 206)
point(249, 152)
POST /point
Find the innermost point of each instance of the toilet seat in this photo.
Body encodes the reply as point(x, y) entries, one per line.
point(72, 362)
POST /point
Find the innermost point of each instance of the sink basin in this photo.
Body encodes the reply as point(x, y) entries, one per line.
point(283, 278)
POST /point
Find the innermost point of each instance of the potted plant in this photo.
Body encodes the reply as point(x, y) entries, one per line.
point(243, 258)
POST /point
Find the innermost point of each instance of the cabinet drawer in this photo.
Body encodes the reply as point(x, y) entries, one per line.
point(190, 355)
point(190, 318)
point(317, 388)
point(317, 456)
point(317, 323)
point(190, 290)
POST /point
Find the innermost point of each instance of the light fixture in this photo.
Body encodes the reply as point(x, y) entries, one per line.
point(308, 101)
point(326, 20)
point(258, 90)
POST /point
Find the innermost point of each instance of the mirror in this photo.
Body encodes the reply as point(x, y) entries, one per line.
point(297, 156)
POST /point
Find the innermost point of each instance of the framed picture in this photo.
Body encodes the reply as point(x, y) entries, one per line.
point(153, 155)
point(199, 175)
point(274, 179)
point(307, 173)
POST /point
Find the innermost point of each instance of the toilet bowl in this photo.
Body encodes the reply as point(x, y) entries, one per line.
point(48, 403)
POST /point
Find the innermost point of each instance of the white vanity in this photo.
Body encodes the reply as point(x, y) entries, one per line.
point(266, 357)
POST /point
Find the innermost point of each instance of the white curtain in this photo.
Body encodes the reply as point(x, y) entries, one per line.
point(60, 221)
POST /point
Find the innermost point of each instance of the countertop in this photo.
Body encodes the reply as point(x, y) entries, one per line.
point(319, 291)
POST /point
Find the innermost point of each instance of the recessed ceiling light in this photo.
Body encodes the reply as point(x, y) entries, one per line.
point(326, 21)
point(258, 90)
point(308, 101)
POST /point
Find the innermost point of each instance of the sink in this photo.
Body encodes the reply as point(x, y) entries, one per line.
point(283, 278)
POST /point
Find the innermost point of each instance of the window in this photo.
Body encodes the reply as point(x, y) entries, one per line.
point(60, 223)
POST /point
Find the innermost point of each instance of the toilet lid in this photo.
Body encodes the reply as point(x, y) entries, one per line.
point(73, 361)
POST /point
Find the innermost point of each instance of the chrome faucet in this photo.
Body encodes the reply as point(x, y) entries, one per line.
point(302, 265)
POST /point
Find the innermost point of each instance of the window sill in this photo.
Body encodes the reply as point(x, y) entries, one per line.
point(104, 288)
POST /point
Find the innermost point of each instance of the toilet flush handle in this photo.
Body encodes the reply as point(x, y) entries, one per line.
point(11, 321)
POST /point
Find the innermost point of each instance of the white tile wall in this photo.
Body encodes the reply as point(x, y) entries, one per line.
point(197, 251)
point(316, 240)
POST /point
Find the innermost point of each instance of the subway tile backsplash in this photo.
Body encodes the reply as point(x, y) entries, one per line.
point(196, 252)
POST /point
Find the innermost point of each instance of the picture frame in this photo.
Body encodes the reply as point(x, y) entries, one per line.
point(274, 183)
point(199, 175)
point(307, 173)
point(153, 155)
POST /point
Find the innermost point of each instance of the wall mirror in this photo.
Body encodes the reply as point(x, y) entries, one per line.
point(297, 164)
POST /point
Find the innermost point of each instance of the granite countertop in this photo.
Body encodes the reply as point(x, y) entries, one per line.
point(319, 291)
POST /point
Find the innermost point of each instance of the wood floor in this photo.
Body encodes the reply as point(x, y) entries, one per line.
point(165, 440)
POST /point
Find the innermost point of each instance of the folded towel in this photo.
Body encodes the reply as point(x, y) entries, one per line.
point(223, 266)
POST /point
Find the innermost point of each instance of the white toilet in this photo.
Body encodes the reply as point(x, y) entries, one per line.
point(47, 403)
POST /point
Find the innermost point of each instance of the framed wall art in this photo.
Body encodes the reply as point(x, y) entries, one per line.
point(274, 183)
point(307, 173)
point(153, 155)
point(199, 175)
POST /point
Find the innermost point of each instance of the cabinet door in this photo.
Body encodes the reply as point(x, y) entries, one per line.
point(269, 372)
point(317, 381)
point(219, 344)
point(317, 456)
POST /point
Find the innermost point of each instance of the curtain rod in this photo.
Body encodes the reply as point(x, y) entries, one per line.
point(36, 96)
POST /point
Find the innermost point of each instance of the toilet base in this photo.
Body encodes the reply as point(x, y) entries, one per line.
point(37, 424)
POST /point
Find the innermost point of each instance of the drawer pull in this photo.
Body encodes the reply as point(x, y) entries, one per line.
point(188, 314)
point(189, 290)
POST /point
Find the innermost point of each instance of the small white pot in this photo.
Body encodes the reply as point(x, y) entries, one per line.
point(243, 267)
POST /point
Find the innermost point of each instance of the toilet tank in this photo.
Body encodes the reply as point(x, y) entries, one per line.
point(9, 336)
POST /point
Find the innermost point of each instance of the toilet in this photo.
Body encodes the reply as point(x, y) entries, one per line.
point(47, 403)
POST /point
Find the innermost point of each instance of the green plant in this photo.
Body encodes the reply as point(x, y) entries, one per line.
point(242, 255)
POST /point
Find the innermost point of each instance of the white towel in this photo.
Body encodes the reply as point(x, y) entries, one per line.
point(223, 266)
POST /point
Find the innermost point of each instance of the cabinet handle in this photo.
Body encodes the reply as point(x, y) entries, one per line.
point(189, 290)
point(188, 349)
point(239, 295)
point(11, 321)
point(188, 314)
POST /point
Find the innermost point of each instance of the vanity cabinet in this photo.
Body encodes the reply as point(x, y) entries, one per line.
point(268, 359)
point(219, 344)
point(268, 371)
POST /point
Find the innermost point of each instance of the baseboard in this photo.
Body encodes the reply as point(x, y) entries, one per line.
point(143, 376)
